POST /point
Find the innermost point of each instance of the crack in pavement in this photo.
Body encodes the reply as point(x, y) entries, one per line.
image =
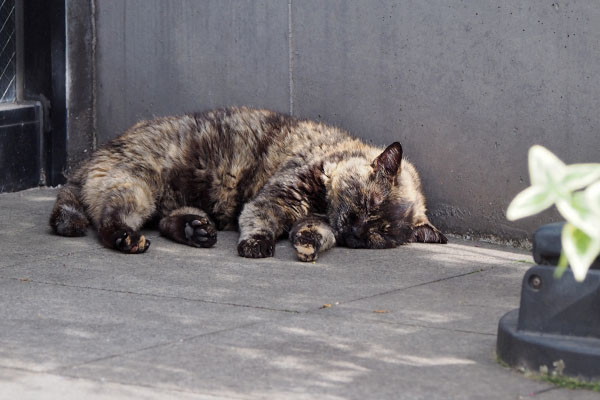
point(417, 285)
point(163, 296)
point(434, 327)
point(155, 346)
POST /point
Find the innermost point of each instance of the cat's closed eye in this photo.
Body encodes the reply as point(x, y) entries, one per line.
point(352, 218)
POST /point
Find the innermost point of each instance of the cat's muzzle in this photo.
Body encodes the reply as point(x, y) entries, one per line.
point(354, 239)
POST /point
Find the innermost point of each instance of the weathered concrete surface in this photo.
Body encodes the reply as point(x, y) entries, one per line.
point(416, 322)
point(80, 84)
point(23, 385)
point(466, 87)
point(159, 57)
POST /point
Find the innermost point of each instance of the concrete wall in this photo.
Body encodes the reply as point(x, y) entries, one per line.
point(157, 57)
point(79, 87)
point(465, 86)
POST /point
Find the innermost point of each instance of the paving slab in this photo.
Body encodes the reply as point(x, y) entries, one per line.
point(319, 355)
point(24, 385)
point(473, 302)
point(219, 275)
point(25, 233)
point(21, 210)
point(46, 326)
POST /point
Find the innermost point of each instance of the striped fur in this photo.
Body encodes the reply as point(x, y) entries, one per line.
point(253, 170)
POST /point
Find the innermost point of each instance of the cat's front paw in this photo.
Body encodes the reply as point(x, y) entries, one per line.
point(427, 233)
point(307, 244)
point(130, 242)
point(257, 246)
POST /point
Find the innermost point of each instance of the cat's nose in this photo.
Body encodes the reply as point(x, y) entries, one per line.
point(357, 231)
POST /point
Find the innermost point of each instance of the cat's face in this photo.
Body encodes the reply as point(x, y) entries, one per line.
point(365, 210)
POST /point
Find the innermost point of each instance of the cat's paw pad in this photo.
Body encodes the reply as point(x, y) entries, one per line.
point(131, 242)
point(200, 232)
point(307, 244)
point(258, 246)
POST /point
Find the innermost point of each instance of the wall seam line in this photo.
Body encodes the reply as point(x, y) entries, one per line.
point(94, 83)
point(291, 57)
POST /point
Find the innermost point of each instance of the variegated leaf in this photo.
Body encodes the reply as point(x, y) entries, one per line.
point(530, 201)
point(578, 176)
point(581, 250)
point(544, 167)
point(577, 211)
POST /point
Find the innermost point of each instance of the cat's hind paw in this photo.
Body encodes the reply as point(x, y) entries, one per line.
point(307, 244)
point(257, 246)
point(200, 233)
point(193, 230)
point(131, 242)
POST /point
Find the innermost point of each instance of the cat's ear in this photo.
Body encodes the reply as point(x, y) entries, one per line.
point(388, 162)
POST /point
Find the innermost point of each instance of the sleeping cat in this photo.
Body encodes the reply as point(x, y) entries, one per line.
point(264, 173)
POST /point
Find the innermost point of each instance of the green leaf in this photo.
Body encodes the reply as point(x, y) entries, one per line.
point(578, 176)
point(581, 250)
point(563, 263)
point(530, 201)
point(592, 195)
point(577, 211)
point(545, 169)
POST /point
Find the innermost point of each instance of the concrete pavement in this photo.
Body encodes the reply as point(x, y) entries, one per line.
point(416, 322)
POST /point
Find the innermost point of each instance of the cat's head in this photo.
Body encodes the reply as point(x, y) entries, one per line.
point(365, 209)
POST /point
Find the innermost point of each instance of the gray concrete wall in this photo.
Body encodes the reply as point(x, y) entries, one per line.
point(158, 57)
point(465, 86)
point(79, 87)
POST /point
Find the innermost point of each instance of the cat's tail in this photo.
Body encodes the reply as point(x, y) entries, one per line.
point(68, 216)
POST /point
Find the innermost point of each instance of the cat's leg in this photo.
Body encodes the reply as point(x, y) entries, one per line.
point(310, 236)
point(119, 229)
point(425, 232)
point(119, 211)
point(269, 215)
point(68, 216)
point(190, 226)
point(258, 226)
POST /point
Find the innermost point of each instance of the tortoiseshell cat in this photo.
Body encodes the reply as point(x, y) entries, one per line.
point(265, 173)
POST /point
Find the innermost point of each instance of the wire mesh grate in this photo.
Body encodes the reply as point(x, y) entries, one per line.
point(8, 67)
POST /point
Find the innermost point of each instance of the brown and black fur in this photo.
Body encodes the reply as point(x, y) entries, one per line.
point(264, 173)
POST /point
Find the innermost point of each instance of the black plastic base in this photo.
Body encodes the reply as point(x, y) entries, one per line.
point(559, 319)
point(531, 350)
